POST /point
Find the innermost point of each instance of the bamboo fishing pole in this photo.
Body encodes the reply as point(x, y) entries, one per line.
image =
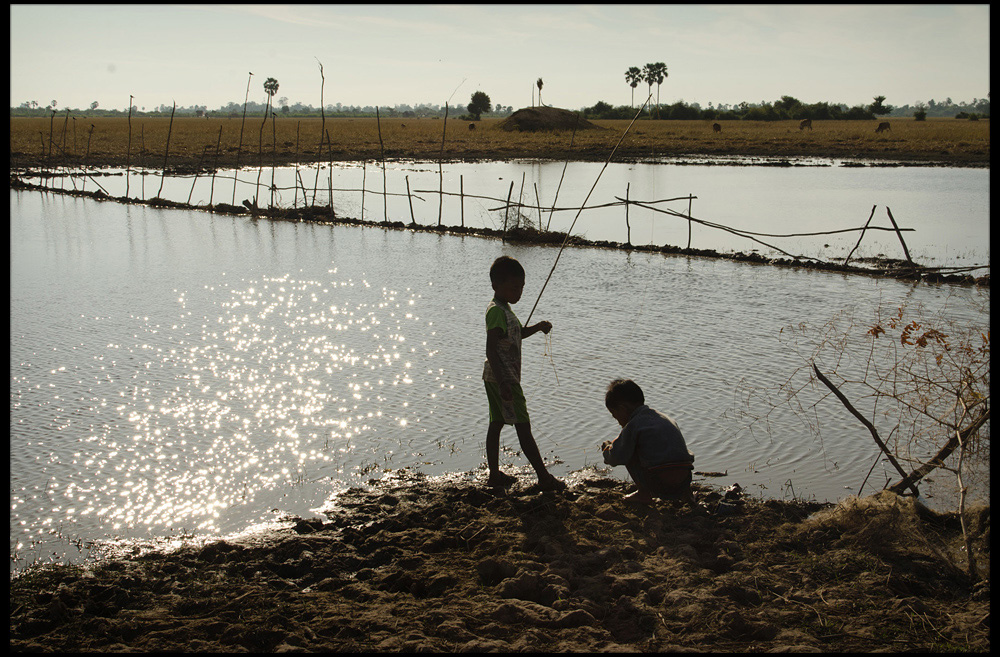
point(580, 211)
point(563, 175)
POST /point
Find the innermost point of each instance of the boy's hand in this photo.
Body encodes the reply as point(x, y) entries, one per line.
point(544, 327)
point(606, 445)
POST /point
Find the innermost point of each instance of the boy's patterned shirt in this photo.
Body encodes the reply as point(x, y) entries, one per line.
point(499, 315)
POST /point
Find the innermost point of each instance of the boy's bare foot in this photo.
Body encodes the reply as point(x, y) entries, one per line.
point(639, 497)
point(551, 483)
point(501, 480)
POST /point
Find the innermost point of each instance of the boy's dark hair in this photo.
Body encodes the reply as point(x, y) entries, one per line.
point(623, 390)
point(505, 268)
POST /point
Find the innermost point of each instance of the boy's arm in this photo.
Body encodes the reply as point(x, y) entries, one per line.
point(493, 337)
point(620, 450)
point(544, 327)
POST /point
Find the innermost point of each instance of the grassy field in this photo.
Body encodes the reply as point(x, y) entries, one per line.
point(948, 141)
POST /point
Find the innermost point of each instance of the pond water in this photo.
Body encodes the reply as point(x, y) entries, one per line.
point(946, 208)
point(176, 372)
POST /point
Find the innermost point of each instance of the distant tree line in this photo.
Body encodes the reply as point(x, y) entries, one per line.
point(786, 108)
point(979, 108)
point(280, 108)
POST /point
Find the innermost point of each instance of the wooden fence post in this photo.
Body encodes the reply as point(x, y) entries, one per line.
point(628, 228)
point(413, 221)
point(166, 151)
point(506, 210)
point(520, 197)
point(239, 149)
point(329, 154)
point(142, 162)
point(364, 177)
point(215, 166)
point(381, 146)
point(128, 150)
point(689, 222)
point(295, 183)
point(538, 203)
point(444, 131)
point(906, 251)
point(862, 235)
point(86, 158)
point(197, 171)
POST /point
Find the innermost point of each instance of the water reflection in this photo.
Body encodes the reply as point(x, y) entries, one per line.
point(947, 208)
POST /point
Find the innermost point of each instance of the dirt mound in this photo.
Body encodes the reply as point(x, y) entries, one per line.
point(533, 119)
point(450, 566)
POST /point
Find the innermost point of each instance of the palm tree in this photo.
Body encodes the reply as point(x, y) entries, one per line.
point(539, 85)
point(270, 88)
point(633, 76)
point(649, 76)
point(660, 70)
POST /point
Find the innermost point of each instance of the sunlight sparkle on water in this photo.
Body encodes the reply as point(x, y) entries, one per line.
point(252, 396)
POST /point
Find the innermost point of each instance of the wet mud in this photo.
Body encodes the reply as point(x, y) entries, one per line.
point(446, 564)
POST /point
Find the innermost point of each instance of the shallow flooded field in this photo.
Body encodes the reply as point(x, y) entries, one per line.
point(177, 372)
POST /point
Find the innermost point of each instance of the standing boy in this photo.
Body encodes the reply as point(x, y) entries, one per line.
point(502, 374)
point(650, 446)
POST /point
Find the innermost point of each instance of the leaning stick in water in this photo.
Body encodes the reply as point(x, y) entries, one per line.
point(444, 131)
point(215, 166)
point(128, 150)
point(868, 425)
point(239, 149)
point(322, 127)
point(381, 147)
point(847, 259)
point(580, 211)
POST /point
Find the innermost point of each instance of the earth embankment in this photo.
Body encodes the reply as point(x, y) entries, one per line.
point(418, 565)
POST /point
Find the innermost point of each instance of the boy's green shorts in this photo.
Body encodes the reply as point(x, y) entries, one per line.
point(514, 411)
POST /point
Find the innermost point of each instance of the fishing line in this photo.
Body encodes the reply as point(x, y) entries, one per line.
point(456, 89)
point(584, 204)
point(548, 353)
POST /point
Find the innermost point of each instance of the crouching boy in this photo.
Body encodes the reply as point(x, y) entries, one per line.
point(650, 446)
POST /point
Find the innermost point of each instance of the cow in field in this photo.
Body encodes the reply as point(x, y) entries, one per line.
point(472, 126)
point(805, 123)
point(882, 127)
point(716, 127)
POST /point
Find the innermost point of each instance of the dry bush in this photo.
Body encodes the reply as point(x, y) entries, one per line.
point(894, 526)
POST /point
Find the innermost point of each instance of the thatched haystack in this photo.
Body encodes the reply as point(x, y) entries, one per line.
point(532, 119)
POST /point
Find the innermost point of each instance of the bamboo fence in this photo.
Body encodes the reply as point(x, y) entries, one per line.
point(65, 166)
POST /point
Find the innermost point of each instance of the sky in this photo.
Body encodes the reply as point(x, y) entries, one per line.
point(386, 55)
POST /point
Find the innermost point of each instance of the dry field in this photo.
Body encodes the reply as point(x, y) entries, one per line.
point(945, 141)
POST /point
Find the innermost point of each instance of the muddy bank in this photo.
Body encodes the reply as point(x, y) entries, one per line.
point(880, 267)
point(708, 155)
point(448, 565)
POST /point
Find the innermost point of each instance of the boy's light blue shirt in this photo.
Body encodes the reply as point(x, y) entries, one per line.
point(650, 435)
